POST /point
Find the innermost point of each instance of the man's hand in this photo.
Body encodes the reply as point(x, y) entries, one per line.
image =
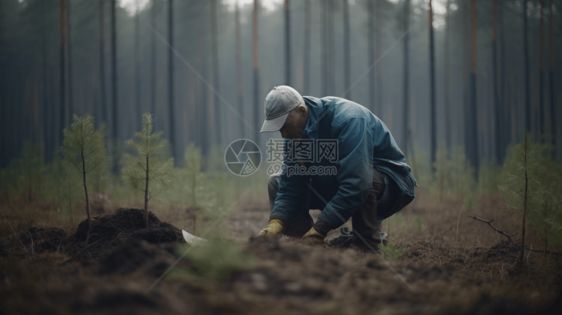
point(274, 230)
point(313, 237)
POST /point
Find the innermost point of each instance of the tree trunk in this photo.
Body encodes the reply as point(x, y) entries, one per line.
point(378, 79)
point(306, 63)
point(138, 107)
point(71, 108)
point(371, 53)
point(471, 131)
point(153, 61)
point(239, 81)
point(287, 43)
point(3, 104)
point(551, 81)
point(497, 108)
point(256, 67)
point(464, 17)
point(62, 71)
point(217, 124)
point(114, 87)
point(541, 73)
point(47, 141)
point(433, 112)
point(406, 78)
point(506, 122)
point(324, 50)
point(204, 113)
point(171, 111)
point(528, 124)
point(102, 66)
point(330, 42)
point(447, 106)
point(347, 49)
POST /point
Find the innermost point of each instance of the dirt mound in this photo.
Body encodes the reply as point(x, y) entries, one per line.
point(111, 231)
point(115, 228)
point(138, 256)
point(164, 233)
point(503, 252)
point(107, 233)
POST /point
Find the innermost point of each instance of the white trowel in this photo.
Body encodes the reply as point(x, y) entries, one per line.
point(192, 239)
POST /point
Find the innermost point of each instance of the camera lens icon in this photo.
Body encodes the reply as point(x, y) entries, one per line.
point(242, 157)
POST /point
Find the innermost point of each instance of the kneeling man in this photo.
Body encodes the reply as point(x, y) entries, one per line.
point(359, 171)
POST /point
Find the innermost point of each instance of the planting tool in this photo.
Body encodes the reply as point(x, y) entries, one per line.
point(192, 239)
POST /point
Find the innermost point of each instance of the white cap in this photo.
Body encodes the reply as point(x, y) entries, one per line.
point(278, 103)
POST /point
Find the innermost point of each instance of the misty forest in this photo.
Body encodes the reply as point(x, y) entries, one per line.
point(117, 117)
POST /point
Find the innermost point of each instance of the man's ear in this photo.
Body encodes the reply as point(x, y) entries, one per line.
point(302, 110)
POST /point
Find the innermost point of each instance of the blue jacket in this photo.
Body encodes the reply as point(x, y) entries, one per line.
point(364, 142)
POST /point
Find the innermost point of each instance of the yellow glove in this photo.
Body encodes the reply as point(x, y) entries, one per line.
point(313, 237)
point(274, 229)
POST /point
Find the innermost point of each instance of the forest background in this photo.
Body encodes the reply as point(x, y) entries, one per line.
point(492, 72)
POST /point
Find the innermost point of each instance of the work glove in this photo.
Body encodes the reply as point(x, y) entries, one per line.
point(274, 230)
point(313, 237)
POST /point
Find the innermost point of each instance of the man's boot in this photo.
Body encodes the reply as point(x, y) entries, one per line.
point(345, 239)
point(366, 235)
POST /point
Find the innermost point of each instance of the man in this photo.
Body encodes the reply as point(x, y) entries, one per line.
point(371, 181)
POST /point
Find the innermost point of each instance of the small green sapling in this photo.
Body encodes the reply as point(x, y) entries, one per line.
point(520, 188)
point(84, 149)
point(148, 167)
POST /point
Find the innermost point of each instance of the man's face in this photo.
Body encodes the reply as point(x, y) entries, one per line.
point(295, 123)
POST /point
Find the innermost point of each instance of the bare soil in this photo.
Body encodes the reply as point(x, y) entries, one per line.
point(53, 271)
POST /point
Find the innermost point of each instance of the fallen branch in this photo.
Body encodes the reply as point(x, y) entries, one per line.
point(489, 222)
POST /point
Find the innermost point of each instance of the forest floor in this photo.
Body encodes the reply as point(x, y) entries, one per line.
point(451, 264)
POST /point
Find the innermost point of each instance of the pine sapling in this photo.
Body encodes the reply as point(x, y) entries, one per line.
point(544, 221)
point(195, 177)
point(147, 172)
point(84, 149)
point(193, 188)
point(520, 189)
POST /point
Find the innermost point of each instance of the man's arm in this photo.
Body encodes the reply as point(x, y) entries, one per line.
point(355, 173)
point(292, 196)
